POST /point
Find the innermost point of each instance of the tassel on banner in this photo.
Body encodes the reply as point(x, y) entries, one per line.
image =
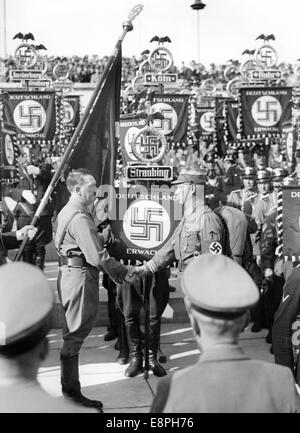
point(279, 220)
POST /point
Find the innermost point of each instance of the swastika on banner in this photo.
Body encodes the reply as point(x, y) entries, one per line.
point(215, 248)
point(146, 224)
point(207, 121)
point(149, 145)
point(169, 123)
point(266, 111)
point(30, 116)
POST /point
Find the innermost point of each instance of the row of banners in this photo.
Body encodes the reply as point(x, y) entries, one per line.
point(36, 115)
point(258, 112)
point(35, 118)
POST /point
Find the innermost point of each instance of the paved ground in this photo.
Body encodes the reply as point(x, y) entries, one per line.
point(103, 378)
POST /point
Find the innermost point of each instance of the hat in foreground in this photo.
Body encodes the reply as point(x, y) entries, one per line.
point(25, 309)
point(217, 286)
point(191, 176)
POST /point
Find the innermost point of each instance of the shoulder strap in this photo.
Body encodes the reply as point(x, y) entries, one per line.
point(66, 228)
point(228, 252)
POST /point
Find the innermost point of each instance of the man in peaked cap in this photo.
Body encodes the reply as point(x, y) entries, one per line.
point(232, 179)
point(260, 156)
point(242, 198)
point(25, 318)
point(218, 293)
point(200, 230)
point(277, 176)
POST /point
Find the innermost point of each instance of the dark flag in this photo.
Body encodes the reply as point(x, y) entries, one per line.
point(97, 146)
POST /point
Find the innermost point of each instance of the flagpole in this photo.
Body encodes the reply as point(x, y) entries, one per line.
point(127, 27)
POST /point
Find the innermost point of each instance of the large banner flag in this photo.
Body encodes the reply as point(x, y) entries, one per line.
point(265, 110)
point(175, 109)
point(232, 120)
point(142, 221)
point(33, 114)
point(291, 222)
point(219, 136)
point(206, 121)
point(97, 146)
point(71, 113)
point(9, 169)
point(130, 126)
point(219, 105)
point(289, 142)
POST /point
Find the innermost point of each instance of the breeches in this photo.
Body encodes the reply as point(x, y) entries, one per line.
point(129, 299)
point(78, 291)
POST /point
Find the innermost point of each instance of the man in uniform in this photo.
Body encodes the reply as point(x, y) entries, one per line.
point(277, 176)
point(218, 293)
point(243, 198)
point(283, 329)
point(26, 310)
point(263, 180)
point(81, 257)
point(232, 179)
point(201, 230)
point(11, 240)
point(260, 156)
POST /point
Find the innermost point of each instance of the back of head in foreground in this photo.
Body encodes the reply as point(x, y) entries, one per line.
point(26, 310)
point(218, 292)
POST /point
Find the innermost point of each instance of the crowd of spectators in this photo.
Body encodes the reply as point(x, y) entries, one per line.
point(88, 69)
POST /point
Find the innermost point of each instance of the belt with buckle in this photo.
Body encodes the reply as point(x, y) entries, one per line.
point(73, 262)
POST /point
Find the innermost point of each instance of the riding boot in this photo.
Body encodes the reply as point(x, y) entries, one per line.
point(40, 262)
point(161, 356)
point(27, 255)
point(70, 382)
point(123, 356)
point(154, 338)
point(136, 357)
point(111, 305)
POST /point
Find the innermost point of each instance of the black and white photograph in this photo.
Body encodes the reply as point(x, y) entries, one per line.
point(149, 209)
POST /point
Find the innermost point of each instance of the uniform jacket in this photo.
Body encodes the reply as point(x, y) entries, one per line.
point(242, 199)
point(232, 180)
point(269, 241)
point(286, 314)
point(7, 241)
point(194, 234)
point(81, 238)
point(237, 225)
point(225, 380)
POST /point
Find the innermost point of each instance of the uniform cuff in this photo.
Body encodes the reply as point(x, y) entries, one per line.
point(151, 266)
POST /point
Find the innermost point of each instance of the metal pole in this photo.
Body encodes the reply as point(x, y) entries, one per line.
point(127, 27)
point(198, 37)
point(4, 29)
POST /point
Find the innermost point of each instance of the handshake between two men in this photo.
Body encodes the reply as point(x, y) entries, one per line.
point(135, 273)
